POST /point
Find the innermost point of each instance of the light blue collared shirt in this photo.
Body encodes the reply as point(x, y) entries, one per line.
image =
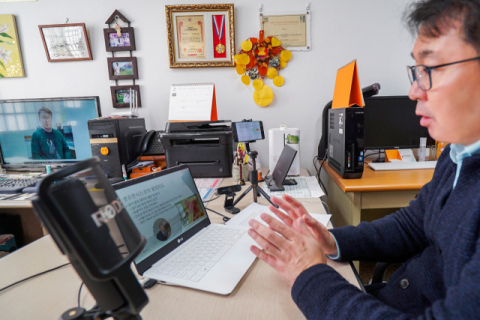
point(459, 152)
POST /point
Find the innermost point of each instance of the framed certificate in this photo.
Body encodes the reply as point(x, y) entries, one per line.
point(291, 28)
point(200, 35)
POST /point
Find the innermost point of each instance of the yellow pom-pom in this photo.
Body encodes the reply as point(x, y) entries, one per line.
point(246, 80)
point(271, 73)
point(278, 81)
point(285, 55)
point(283, 64)
point(240, 69)
point(247, 45)
point(263, 97)
point(258, 84)
point(243, 59)
point(275, 42)
point(235, 57)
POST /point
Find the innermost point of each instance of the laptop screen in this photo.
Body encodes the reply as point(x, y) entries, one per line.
point(164, 207)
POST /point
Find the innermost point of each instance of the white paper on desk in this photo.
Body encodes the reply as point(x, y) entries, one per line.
point(206, 187)
point(254, 211)
point(306, 187)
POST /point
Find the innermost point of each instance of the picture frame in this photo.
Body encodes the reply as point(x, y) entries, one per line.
point(200, 35)
point(125, 43)
point(66, 42)
point(118, 96)
point(292, 28)
point(122, 68)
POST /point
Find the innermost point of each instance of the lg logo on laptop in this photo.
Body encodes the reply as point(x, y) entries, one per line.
point(179, 240)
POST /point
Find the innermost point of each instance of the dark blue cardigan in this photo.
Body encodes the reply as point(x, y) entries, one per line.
point(438, 238)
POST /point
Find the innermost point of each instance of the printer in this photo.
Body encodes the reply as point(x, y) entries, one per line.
point(206, 147)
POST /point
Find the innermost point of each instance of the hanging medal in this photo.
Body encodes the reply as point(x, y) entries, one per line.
point(219, 36)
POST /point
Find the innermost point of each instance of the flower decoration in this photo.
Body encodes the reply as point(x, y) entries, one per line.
point(260, 58)
point(4, 55)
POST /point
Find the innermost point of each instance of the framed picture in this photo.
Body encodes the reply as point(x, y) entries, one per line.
point(66, 42)
point(122, 68)
point(200, 35)
point(121, 96)
point(124, 42)
point(291, 28)
point(11, 64)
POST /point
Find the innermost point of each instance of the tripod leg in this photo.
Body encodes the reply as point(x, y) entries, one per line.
point(241, 196)
point(266, 196)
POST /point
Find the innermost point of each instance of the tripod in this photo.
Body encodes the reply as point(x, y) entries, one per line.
point(254, 183)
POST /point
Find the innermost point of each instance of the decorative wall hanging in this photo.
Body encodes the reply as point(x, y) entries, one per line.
point(292, 28)
point(11, 64)
point(200, 35)
point(121, 38)
point(259, 58)
point(65, 42)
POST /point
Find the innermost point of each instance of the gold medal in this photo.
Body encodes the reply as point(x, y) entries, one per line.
point(220, 48)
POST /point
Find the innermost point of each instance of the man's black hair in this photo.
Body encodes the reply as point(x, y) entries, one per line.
point(432, 18)
point(46, 110)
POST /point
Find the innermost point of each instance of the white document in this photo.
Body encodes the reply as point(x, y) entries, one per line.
point(207, 187)
point(254, 211)
point(191, 101)
point(307, 187)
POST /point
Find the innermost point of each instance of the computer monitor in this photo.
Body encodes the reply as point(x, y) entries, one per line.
point(391, 123)
point(46, 131)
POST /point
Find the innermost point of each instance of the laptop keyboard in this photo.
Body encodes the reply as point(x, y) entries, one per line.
point(194, 260)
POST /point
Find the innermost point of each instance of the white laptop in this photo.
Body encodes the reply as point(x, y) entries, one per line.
point(183, 248)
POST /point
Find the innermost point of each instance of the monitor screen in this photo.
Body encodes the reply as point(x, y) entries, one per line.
point(391, 123)
point(37, 132)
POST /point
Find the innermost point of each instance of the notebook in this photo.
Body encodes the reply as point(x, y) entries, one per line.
point(275, 181)
point(183, 247)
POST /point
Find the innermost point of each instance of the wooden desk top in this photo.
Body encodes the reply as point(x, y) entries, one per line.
point(382, 180)
point(261, 294)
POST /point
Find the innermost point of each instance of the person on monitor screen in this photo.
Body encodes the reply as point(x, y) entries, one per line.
point(437, 237)
point(48, 143)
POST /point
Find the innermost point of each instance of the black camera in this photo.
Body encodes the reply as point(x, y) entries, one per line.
point(228, 190)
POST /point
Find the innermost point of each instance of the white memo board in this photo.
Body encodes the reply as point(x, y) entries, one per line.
point(274, 19)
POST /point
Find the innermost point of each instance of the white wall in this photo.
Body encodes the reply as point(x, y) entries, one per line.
point(370, 31)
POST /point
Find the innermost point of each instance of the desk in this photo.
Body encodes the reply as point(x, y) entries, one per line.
point(261, 294)
point(31, 227)
point(347, 198)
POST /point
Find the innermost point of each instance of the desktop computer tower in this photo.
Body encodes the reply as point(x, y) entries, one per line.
point(116, 142)
point(345, 141)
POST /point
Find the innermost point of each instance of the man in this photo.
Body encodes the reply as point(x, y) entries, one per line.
point(117, 70)
point(437, 237)
point(48, 143)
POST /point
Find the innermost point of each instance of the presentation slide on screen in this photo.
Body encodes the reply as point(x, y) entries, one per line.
point(248, 131)
point(163, 208)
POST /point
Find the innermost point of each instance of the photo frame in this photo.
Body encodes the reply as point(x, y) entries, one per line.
point(114, 43)
point(292, 28)
point(200, 35)
point(122, 68)
point(66, 42)
point(120, 100)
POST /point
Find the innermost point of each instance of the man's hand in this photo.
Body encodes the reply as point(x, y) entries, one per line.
point(286, 250)
point(297, 217)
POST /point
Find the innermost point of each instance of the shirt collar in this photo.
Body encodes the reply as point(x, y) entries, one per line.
point(458, 152)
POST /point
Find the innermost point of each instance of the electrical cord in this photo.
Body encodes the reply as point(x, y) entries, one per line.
point(212, 199)
point(225, 218)
point(38, 274)
point(319, 171)
point(79, 291)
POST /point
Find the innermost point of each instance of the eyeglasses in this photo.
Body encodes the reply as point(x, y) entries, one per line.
point(422, 74)
point(46, 117)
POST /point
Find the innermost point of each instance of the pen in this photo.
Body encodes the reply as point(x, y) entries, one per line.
point(124, 172)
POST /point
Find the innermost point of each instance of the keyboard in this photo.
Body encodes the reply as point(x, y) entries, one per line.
point(194, 260)
point(400, 165)
point(289, 182)
point(15, 185)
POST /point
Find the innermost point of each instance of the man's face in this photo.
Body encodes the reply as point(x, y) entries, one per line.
point(451, 108)
point(46, 120)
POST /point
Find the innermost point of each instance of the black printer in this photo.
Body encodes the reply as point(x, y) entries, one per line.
point(206, 147)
